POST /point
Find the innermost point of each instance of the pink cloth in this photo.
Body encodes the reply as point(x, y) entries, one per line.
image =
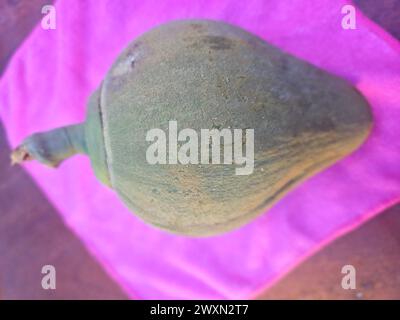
point(52, 74)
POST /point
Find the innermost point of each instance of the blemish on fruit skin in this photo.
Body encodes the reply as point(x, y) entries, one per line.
point(128, 63)
point(218, 42)
point(132, 61)
point(210, 41)
point(197, 26)
point(121, 69)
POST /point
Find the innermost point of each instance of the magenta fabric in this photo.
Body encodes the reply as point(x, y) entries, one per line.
point(52, 74)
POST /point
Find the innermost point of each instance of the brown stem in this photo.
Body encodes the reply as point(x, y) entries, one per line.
point(51, 147)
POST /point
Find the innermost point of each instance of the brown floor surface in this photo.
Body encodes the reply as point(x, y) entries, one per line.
point(373, 250)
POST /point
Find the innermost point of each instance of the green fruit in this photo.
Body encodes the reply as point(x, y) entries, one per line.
point(205, 75)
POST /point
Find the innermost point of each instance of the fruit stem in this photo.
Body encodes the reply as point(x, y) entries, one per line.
point(52, 147)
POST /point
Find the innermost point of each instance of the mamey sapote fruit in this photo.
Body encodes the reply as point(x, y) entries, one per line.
point(208, 75)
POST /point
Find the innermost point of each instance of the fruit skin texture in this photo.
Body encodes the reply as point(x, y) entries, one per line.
point(207, 74)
